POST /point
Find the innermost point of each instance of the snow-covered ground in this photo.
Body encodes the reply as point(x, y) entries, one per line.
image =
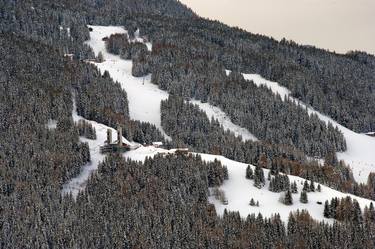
point(360, 154)
point(144, 104)
point(145, 97)
point(224, 120)
point(79, 182)
point(240, 190)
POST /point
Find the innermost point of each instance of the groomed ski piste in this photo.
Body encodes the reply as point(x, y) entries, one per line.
point(143, 96)
point(237, 188)
point(216, 113)
point(359, 155)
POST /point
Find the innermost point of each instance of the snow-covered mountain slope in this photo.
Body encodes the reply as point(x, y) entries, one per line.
point(144, 105)
point(145, 97)
point(224, 120)
point(239, 190)
point(79, 182)
point(360, 148)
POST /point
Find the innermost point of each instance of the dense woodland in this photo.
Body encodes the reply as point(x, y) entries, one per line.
point(162, 203)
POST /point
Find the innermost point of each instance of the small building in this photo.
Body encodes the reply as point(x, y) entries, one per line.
point(182, 151)
point(69, 56)
point(117, 146)
point(157, 144)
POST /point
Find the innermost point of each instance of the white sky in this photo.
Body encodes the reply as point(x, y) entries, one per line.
point(339, 25)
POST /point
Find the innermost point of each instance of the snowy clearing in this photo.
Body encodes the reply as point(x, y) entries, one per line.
point(224, 120)
point(239, 190)
point(360, 152)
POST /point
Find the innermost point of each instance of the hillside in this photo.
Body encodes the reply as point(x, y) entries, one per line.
point(258, 142)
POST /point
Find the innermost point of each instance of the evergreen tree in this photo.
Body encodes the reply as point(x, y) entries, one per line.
point(306, 186)
point(327, 210)
point(249, 172)
point(100, 58)
point(252, 202)
point(288, 198)
point(319, 189)
point(303, 197)
point(312, 186)
point(259, 179)
point(294, 188)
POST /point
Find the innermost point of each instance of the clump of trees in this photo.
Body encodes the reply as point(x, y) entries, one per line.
point(85, 129)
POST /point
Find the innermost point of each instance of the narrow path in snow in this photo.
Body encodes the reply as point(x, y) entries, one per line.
point(360, 154)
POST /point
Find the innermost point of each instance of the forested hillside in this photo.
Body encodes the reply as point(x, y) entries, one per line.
point(45, 72)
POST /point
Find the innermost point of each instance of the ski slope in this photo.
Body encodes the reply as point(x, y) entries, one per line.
point(143, 96)
point(144, 104)
point(224, 120)
point(78, 183)
point(240, 190)
point(360, 153)
point(237, 188)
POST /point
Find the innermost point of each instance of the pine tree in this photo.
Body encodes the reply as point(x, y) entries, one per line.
point(226, 174)
point(306, 186)
point(357, 213)
point(100, 58)
point(303, 197)
point(288, 198)
point(319, 189)
point(312, 186)
point(369, 213)
point(252, 202)
point(259, 179)
point(294, 188)
point(327, 210)
point(249, 172)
